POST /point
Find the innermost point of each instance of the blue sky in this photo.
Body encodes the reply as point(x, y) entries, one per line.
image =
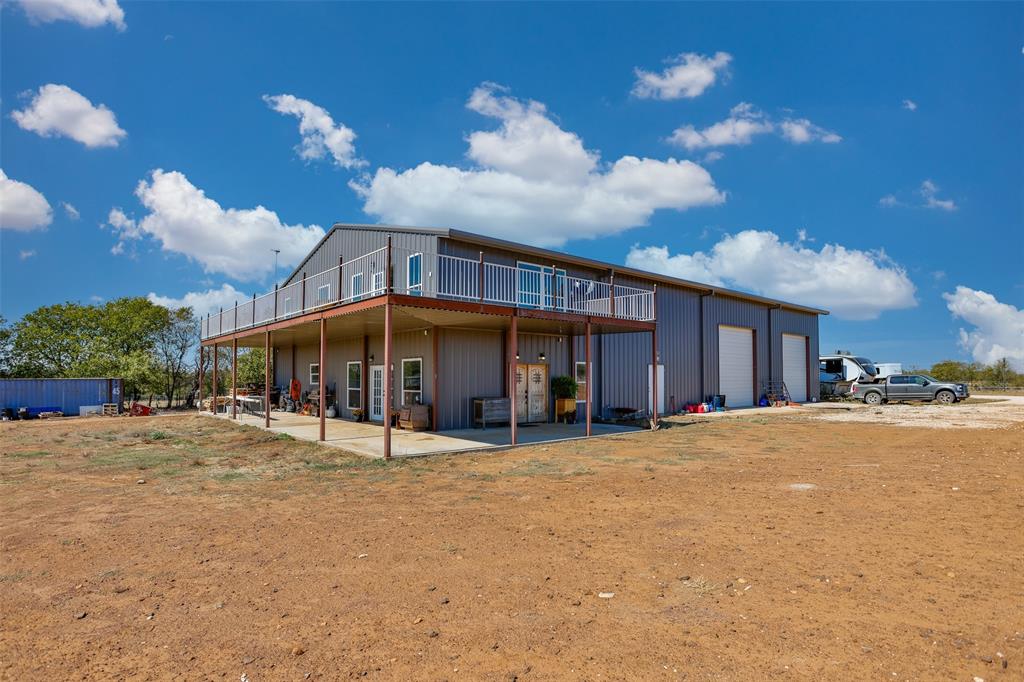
point(864, 158)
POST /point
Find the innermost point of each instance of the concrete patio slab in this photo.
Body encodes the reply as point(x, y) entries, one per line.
point(367, 439)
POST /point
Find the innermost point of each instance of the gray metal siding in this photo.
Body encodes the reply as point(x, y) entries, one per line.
point(471, 366)
point(451, 247)
point(352, 243)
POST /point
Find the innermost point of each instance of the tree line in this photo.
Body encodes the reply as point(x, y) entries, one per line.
point(999, 373)
point(153, 348)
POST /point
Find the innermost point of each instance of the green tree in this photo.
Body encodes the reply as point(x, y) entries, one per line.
point(251, 367)
point(6, 340)
point(172, 342)
point(61, 340)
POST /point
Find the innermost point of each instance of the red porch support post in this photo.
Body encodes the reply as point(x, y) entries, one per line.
point(586, 360)
point(234, 377)
point(654, 361)
point(513, 350)
point(434, 388)
point(202, 358)
point(213, 393)
point(266, 380)
point(386, 392)
point(323, 379)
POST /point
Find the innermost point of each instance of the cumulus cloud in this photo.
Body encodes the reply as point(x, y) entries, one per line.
point(929, 193)
point(743, 123)
point(235, 242)
point(320, 134)
point(25, 254)
point(998, 328)
point(910, 105)
point(202, 302)
point(534, 182)
point(22, 207)
point(70, 210)
point(88, 13)
point(58, 110)
point(800, 131)
point(688, 75)
point(852, 284)
point(888, 201)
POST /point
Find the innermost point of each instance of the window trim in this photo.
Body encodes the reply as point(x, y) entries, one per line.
point(348, 385)
point(321, 300)
point(410, 288)
point(311, 366)
point(401, 381)
point(378, 288)
point(352, 286)
point(586, 386)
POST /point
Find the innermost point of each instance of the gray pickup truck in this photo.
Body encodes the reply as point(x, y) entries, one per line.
point(909, 387)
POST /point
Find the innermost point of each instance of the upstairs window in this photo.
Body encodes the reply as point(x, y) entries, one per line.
point(414, 274)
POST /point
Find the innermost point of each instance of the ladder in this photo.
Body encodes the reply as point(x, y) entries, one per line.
point(776, 392)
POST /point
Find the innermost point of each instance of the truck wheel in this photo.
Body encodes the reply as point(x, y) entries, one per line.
point(945, 397)
point(872, 398)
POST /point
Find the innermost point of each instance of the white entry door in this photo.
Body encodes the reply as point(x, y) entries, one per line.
point(377, 393)
point(736, 365)
point(794, 366)
point(661, 389)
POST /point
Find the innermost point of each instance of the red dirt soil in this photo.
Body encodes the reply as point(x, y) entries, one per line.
point(246, 553)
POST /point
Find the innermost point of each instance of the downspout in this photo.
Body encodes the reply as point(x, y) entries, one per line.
point(703, 357)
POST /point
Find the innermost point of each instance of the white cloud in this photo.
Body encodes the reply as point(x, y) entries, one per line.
point(25, 254)
point(320, 134)
point(70, 210)
point(743, 123)
point(888, 201)
point(59, 110)
point(203, 302)
point(22, 207)
point(235, 242)
point(998, 327)
point(88, 13)
point(799, 131)
point(713, 156)
point(929, 191)
point(688, 75)
point(853, 284)
point(910, 105)
point(534, 182)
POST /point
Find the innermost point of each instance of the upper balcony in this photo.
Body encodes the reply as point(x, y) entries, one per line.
point(415, 273)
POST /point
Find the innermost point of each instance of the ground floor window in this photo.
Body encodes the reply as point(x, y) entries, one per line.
point(581, 381)
point(314, 374)
point(412, 381)
point(355, 385)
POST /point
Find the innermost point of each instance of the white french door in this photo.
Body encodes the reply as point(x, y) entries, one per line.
point(377, 393)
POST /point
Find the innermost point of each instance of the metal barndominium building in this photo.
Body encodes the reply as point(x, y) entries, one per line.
point(384, 318)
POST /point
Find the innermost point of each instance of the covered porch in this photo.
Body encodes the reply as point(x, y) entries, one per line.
point(440, 333)
point(366, 438)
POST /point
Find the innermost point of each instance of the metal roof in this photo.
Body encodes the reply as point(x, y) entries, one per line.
point(474, 238)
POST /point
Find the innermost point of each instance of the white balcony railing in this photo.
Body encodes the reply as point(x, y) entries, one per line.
point(434, 275)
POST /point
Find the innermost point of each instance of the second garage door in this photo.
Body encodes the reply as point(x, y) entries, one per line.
point(794, 366)
point(736, 366)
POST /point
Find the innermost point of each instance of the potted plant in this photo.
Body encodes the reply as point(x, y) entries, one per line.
point(564, 388)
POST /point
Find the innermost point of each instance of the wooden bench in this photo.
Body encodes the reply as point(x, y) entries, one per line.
point(491, 411)
point(414, 417)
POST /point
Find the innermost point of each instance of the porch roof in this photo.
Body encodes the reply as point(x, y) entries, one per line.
point(411, 313)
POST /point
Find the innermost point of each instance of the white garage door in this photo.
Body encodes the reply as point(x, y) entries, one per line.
point(736, 366)
point(794, 366)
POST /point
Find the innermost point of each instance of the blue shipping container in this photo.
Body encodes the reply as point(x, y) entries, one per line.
point(66, 395)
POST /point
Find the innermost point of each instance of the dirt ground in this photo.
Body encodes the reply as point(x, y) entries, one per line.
point(759, 547)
